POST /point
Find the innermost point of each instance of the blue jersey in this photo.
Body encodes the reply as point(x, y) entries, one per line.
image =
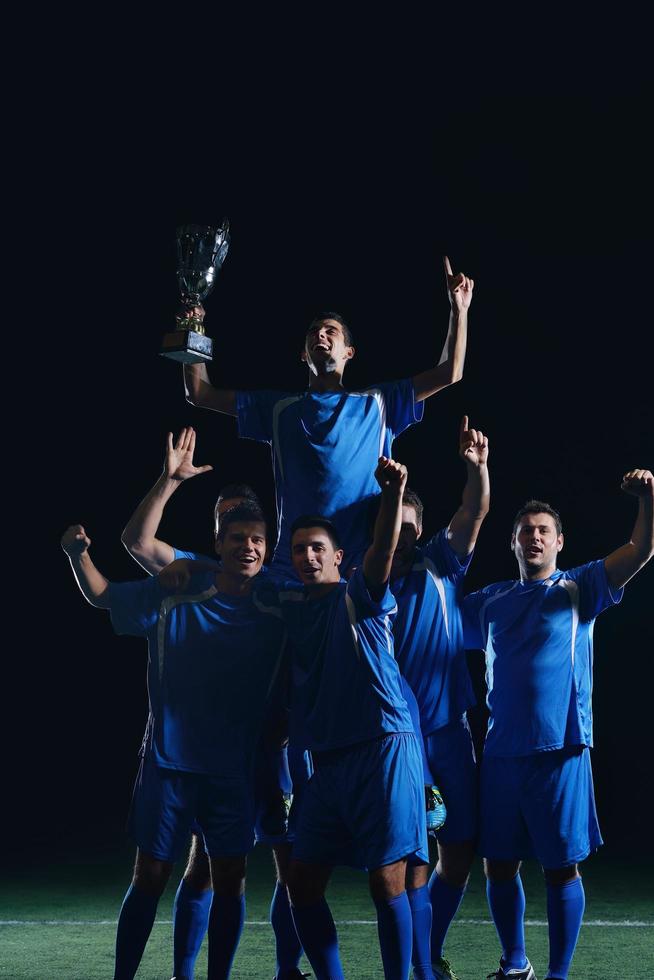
point(214, 660)
point(325, 448)
point(346, 681)
point(428, 633)
point(538, 639)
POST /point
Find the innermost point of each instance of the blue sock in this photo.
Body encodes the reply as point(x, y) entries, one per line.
point(506, 900)
point(288, 946)
point(565, 910)
point(445, 901)
point(317, 932)
point(190, 921)
point(135, 923)
point(421, 917)
point(225, 928)
point(395, 935)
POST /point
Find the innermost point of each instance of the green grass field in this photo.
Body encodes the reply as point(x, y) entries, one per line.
point(58, 923)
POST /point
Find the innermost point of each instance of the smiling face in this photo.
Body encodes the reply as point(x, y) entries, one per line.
point(326, 348)
point(242, 548)
point(315, 559)
point(536, 544)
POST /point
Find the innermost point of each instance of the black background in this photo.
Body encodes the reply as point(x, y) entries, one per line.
point(346, 169)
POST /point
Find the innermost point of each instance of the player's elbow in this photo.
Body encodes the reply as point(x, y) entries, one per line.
point(134, 544)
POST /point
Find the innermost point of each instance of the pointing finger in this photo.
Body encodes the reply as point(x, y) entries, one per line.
point(448, 267)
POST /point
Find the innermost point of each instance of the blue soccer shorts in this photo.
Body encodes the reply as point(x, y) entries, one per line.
point(451, 757)
point(166, 802)
point(365, 806)
point(540, 806)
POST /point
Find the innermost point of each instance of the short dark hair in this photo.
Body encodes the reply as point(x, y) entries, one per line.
point(411, 499)
point(315, 520)
point(233, 491)
point(326, 315)
point(246, 512)
point(538, 507)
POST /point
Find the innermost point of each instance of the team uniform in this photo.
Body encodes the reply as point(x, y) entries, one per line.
point(279, 774)
point(537, 790)
point(325, 447)
point(214, 664)
point(429, 647)
point(364, 805)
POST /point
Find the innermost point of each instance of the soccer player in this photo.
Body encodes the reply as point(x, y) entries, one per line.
point(364, 804)
point(214, 660)
point(427, 582)
point(325, 440)
point(193, 897)
point(536, 787)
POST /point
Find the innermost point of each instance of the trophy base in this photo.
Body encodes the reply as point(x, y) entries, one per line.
point(187, 346)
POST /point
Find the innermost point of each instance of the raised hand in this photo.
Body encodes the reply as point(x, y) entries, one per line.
point(391, 475)
point(640, 483)
point(473, 444)
point(75, 541)
point(459, 288)
point(179, 456)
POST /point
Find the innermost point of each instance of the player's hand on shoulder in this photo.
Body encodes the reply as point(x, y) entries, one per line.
point(459, 287)
point(640, 483)
point(75, 541)
point(391, 475)
point(473, 444)
point(176, 576)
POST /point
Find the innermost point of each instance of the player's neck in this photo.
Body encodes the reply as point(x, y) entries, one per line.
point(318, 591)
point(237, 585)
point(326, 381)
point(536, 574)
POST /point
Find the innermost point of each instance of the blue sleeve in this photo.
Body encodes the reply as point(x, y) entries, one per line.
point(402, 409)
point(446, 560)
point(365, 606)
point(474, 635)
point(255, 410)
point(135, 606)
point(595, 591)
point(192, 555)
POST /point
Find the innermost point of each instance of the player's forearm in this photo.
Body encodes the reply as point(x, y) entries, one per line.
point(450, 366)
point(140, 533)
point(628, 560)
point(201, 393)
point(92, 583)
point(475, 503)
point(379, 557)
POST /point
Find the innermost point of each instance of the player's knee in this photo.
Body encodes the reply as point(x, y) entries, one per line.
point(501, 870)
point(150, 874)
point(417, 876)
point(561, 876)
point(198, 873)
point(282, 856)
point(454, 863)
point(388, 881)
point(228, 875)
point(304, 886)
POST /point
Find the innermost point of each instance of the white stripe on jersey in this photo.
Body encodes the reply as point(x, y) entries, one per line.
point(166, 605)
point(573, 591)
point(427, 565)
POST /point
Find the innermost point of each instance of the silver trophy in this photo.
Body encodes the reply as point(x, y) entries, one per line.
point(201, 252)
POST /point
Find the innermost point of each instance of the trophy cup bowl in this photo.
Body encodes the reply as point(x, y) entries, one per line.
point(201, 251)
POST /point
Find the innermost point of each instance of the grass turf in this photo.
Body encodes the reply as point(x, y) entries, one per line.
point(65, 909)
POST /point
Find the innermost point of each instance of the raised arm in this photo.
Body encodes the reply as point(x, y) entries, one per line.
point(93, 585)
point(391, 477)
point(450, 367)
point(625, 562)
point(140, 534)
point(464, 526)
point(201, 393)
